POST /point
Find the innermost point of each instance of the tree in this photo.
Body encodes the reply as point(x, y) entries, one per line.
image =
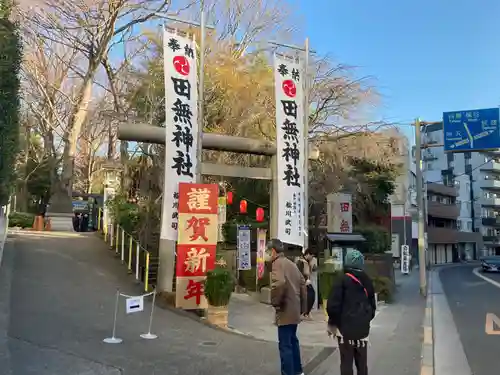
point(49, 94)
point(10, 63)
point(374, 184)
point(90, 149)
point(95, 29)
point(333, 172)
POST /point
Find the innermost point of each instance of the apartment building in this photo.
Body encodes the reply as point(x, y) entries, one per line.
point(455, 201)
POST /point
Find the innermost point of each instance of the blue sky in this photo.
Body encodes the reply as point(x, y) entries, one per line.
point(427, 56)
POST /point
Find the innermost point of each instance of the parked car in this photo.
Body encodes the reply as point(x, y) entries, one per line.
point(490, 263)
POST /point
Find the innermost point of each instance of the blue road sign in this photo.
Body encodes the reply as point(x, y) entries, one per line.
point(474, 130)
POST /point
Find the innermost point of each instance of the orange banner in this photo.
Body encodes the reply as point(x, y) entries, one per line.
point(196, 242)
point(198, 198)
point(195, 260)
point(200, 229)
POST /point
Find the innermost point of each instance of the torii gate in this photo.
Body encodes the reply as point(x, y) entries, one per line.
point(215, 142)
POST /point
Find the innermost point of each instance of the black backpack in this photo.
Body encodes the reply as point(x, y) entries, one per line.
point(357, 311)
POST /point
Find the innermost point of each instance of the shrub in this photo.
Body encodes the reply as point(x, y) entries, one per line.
point(383, 288)
point(218, 287)
point(378, 240)
point(21, 219)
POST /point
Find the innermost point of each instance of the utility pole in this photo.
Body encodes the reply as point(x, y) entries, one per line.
point(420, 209)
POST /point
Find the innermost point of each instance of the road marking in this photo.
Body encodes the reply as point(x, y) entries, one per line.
point(491, 321)
point(491, 281)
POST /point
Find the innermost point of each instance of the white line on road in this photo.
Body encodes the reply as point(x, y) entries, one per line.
point(491, 281)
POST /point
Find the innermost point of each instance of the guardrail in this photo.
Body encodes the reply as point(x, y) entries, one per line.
point(139, 261)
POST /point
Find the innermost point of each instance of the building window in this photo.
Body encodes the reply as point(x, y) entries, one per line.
point(459, 224)
point(429, 166)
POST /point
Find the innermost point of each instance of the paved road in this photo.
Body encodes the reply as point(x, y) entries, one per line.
point(61, 305)
point(470, 298)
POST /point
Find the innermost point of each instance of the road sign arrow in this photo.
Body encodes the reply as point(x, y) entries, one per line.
point(492, 326)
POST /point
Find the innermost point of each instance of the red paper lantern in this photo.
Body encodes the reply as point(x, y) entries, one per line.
point(229, 197)
point(259, 214)
point(243, 206)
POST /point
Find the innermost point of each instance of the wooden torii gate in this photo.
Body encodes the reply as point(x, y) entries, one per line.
point(216, 142)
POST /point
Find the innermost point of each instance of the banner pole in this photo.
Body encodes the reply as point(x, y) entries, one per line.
point(113, 339)
point(149, 335)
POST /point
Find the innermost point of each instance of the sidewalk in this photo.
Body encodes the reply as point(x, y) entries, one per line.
point(395, 335)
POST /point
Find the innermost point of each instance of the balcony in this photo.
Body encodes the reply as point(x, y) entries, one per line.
point(437, 235)
point(491, 166)
point(491, 221)
point(441, 210)
point(490, 184)
point(442, 189)
point(491, 239)
point(491, 202)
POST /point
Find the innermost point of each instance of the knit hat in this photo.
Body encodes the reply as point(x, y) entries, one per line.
point(354, 259)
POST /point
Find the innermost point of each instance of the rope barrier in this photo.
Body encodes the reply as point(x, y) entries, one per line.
point(147, 336)
point(139, 296)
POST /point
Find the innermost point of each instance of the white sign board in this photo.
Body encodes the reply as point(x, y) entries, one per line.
point(244, 258)
point(339, 207)
point(338, 258)
point(181, 124)
point(134, 304)
point(405, 259)
point(289, 93)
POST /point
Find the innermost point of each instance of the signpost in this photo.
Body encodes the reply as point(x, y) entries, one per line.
point(474, 130)
point(405, 259)
point(244, 260)
point(134, 304)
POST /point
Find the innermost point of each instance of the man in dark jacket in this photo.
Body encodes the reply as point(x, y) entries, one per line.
point(288, 297)
point(350, 308)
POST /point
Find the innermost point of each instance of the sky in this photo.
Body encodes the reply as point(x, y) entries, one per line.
point(427, 57)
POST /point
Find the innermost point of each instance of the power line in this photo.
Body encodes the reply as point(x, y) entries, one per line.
point(463, 174)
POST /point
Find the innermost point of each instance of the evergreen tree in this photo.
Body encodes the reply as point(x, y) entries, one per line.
point(10, 64)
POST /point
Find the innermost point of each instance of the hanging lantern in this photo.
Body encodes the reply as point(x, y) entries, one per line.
point(243, 206)
point(229, 197)
point(259, 214)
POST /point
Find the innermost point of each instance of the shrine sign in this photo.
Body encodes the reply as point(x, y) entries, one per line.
point(196, 242)
point(181, 124)
point(290, 144)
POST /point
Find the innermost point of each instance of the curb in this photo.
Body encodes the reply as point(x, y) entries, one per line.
point(4, 236)
point(6, 270)
point(427, 356)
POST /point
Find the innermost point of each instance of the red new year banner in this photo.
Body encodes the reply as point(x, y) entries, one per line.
point(196, 242)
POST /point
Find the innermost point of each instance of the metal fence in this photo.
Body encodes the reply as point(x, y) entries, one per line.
point(138, 260)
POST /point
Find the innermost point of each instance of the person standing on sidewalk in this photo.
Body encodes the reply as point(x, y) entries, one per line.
point(288, 297)
point(351, 308)
point(304, 265)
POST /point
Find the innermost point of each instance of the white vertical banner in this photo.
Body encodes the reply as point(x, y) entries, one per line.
point(181, 124)
point(244, 243)
point(405, 259)
point(289, 91)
